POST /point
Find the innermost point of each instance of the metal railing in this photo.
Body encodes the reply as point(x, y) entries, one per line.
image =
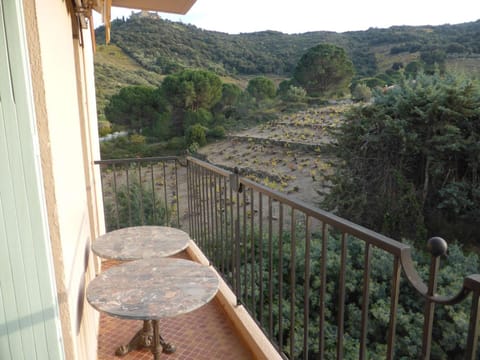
point(143, 191)
point(275, 253)
point(305, 275)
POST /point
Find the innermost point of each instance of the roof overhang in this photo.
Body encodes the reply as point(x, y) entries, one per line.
point(169, 6)
point(84, 9)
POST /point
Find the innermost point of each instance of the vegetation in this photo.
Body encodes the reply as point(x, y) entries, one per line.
point(135, 107)
point(114, 70)
point(144, 49)
point(450, 326)
point(405, 159)
point(171, 46)
point(198, 105)
point(324, 70)
point(193, 104)
point(408, 164)
point(379, 57)
point(261, 88)
point(134, 205)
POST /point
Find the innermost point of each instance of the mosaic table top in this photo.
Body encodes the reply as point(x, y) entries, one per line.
point(139, 242)
point(153, 288)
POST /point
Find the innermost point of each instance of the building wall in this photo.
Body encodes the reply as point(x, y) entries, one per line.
point(61, 59)
point(29, 312)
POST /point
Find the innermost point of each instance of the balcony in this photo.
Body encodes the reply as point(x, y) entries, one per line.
point(204, 334)
point(288, 268)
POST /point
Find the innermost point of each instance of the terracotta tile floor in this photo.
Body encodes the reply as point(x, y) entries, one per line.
point(204, 334)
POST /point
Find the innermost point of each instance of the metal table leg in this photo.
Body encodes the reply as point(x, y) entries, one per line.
point(145, 338)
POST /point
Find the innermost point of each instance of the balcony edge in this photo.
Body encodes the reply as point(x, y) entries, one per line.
point(248, 329)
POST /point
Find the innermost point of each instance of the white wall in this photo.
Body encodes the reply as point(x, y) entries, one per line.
point(73, 188)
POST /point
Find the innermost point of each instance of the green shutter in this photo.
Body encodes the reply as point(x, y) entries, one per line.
point(29, 323)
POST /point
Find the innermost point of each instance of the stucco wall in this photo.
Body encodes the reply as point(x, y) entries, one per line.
point(62, 73)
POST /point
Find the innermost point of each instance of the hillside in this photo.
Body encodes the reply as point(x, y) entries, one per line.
point(114, 69)
point(162, 45)
point(145, 47)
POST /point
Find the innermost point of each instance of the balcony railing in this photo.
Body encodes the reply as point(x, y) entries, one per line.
point(140, 191)
point(293, 265)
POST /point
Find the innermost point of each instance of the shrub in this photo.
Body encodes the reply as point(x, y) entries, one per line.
point(218, 132)
point(104, 128)
point(196, 134)
point(261, 88)
point(134, 205)
point(137, 139)
point(295, 94)
point(176, 143)
point(193, 148)
point(361, 92)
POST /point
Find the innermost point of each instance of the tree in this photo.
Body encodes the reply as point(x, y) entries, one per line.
point(230, 94)
point(136, 107)
point(202, 117)
point(193, 89)
point(409, 161)
point(261, 88)
point(324, 70)
point(434, 58)
point(413, 68)
point(190, 91)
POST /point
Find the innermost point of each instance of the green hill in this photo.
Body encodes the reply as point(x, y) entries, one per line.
point(145, 47)
point(114, 69)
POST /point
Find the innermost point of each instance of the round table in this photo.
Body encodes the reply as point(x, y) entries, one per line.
point(151, 289)
point(139, 242)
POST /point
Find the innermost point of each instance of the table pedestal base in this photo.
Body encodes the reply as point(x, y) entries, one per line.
point(147, 337)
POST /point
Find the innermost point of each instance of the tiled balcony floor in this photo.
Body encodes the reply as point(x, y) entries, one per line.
point(204, 334)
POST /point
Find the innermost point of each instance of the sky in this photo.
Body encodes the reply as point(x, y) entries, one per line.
point(299, 16)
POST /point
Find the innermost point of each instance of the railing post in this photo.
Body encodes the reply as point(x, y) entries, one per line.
point(473, 283)
point(437, 247)
point(189, 198)
point(472, 339)
point(235, 186)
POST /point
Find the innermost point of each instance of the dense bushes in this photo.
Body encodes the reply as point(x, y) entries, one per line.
point(450, 325)
point(409, 162)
